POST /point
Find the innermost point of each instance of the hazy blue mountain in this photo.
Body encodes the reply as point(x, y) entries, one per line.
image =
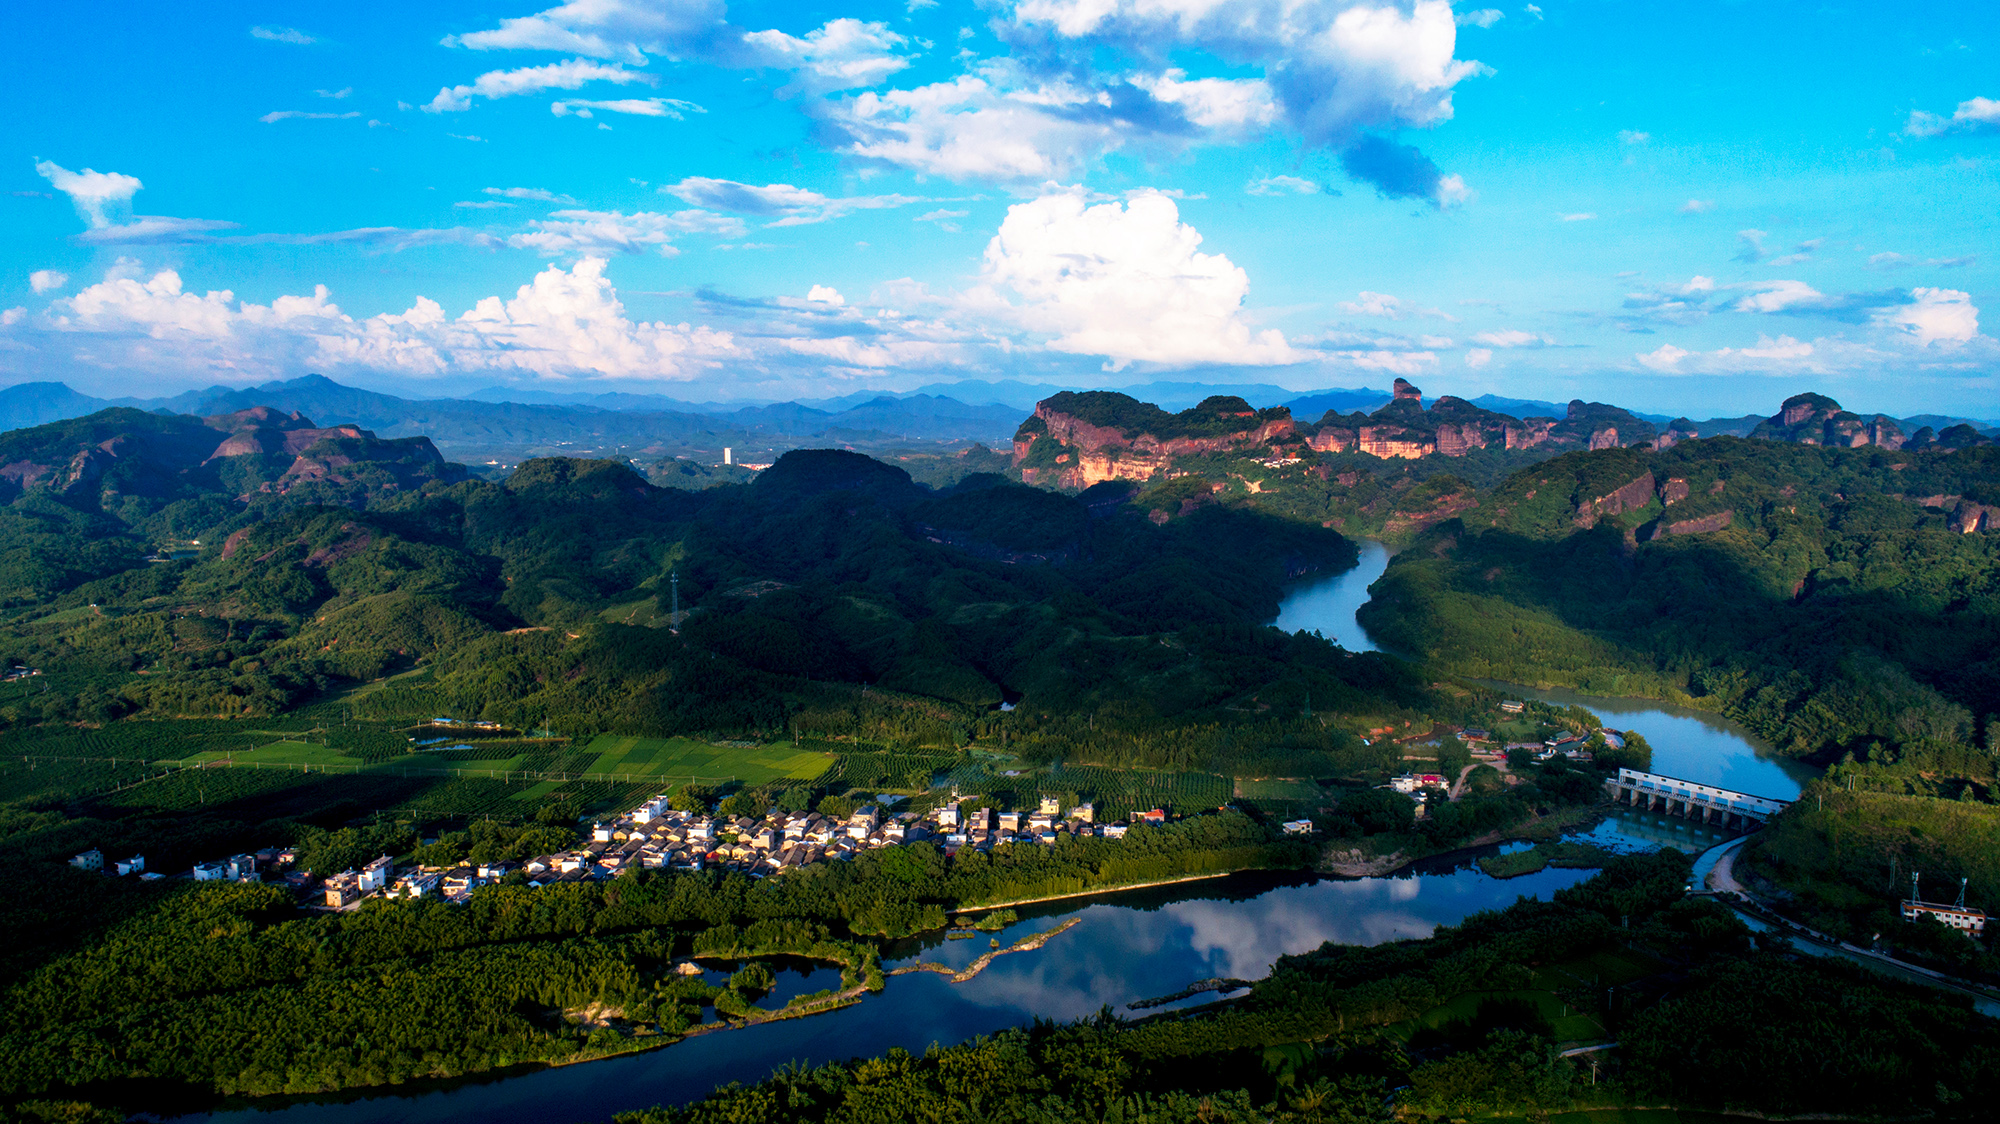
point(1314, 405)
point(37, 403)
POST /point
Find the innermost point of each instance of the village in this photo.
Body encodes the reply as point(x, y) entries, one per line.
point(657, 836)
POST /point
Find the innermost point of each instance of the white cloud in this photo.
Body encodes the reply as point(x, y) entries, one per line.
point(276, 116)
point(1225, 105)
point(1512, 337)
point(282, 35)
point(564, 324)
point(1631, 137)
point(1934, 316)
point(482, 204)
point(843, 54)
point(826, 294)
point(1127, 282)
point(13, 316)
point(943, 218)
point(1781, 356)
point(1335, 66)
point(784, 204)
point(1780, 296)
point(1478, 357)
point(606, 29)
point(636, 107)
point(1484, 17)
point(1697, 206)
point(1386, 306)
point(1666, 358)
point(1580, 216)
point(47, 280)
point(337, 95)
point(567, 75)
point(1282, 185)
point(1698, 284)
point(1976, 115)
point(92, 193)
point(970, 129)
point(539, 195)
point(594, 234)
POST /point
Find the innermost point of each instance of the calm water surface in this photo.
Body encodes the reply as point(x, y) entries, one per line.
point(1126, 947)
point(1690, 744)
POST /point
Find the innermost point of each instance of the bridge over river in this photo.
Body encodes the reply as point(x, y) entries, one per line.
point(1703, 802)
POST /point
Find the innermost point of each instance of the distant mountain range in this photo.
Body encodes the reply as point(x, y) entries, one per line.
point(504, 424)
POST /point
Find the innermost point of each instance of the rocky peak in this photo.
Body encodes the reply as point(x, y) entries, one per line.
point(1405, 391)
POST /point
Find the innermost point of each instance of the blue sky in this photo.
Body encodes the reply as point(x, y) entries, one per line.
point(1696, 209)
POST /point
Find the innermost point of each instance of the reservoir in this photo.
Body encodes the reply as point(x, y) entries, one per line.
point(1693, 745)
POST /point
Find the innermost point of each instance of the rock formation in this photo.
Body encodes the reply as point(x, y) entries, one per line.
point(1102, 435)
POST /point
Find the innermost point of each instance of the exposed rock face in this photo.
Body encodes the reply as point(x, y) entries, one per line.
point(1407, 393)
point(1630, 497)
point(1114, 436)
point(1672, 491)
point(1701, 526)
point(121, 453)
point(1970, 517)
point(1815, 419)
point(1677, 431)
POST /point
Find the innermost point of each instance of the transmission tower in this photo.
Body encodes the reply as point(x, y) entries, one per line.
point(674, 580)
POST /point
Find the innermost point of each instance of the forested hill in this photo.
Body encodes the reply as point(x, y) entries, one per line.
point(1837, 600)
point(546, 599)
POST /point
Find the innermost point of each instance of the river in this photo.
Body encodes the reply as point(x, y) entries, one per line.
point(1693, 745)
point(1126, 946)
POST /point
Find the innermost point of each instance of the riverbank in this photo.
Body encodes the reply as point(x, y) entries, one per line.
point(1355, 862)
point(1107, 890)
point(959, 975)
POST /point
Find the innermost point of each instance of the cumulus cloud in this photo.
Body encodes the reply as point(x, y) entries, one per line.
point(1934, 316)
point(945, 219)
point(1223, 105)
point(596, 234)
point(1127, 282)
point(1779, 296)
point(843, 54)
point(971, 128)
point(282, 35)
point(1476, 357)
point(1281, 185)
point(47, 280)
point(563, 324)
point(1335, 66)
point(1697, 206)
point(784, 204)
point(826, 294)
point(636, 107)
point(1484, 17)
point(1977, 116)
point(567, 75)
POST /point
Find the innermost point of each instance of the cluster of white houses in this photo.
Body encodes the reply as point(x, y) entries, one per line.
point(655, 836)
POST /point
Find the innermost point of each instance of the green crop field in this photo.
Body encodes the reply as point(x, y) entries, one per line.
point(668, 758)
point(1278, 788)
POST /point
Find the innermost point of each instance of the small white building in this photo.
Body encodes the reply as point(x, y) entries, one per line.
point(375, 876)
point(1050, 806)
point(92, 859)
point(134, 865)
point(210, 872)
point(1299, 827)
point(1971, 921)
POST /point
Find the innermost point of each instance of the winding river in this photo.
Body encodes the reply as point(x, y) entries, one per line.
point(1125, 946)
point(1694, 745)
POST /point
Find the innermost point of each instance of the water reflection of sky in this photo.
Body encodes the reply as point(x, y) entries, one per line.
point(1125, 947)
point(1327, 606)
